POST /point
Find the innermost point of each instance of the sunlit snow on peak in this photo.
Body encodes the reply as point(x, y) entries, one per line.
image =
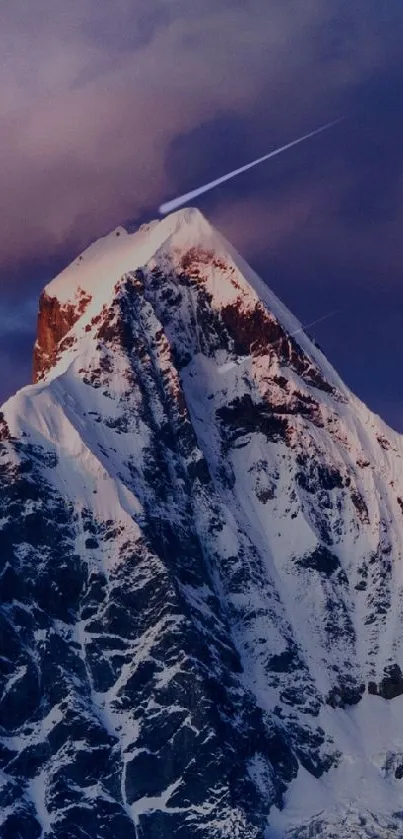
point(97, 269)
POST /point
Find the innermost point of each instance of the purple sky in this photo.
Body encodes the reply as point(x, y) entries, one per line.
point(109, 109)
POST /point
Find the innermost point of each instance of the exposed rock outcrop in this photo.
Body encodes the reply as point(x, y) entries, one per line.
point(55, 320)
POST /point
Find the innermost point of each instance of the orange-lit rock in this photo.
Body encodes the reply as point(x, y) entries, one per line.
point(54, 322)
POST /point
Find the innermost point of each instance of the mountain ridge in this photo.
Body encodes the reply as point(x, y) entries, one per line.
point(205, 525)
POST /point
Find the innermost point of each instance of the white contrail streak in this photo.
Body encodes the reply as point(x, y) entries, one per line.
point(224, 368)
point(312, 323)
point(169, 206)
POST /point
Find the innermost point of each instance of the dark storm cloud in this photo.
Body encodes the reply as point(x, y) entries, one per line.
point(109, 109)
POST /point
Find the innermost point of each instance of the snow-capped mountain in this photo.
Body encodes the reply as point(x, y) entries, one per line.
point(201, 563)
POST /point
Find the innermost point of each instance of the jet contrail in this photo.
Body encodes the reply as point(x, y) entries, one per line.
point(312, 323)
point(229, 365)
point(169, 206)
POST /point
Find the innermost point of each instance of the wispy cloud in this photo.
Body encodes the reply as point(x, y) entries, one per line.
point(108, 109)
point(94, 95)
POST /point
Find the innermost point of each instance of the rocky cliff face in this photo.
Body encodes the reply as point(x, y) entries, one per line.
point(201, 578)
point(55, 321)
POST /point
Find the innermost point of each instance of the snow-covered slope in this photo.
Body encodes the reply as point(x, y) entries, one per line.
point(201, 583)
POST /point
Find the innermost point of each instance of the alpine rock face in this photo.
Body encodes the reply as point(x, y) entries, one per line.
point(201, 563)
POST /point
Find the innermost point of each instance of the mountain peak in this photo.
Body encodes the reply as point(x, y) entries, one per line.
point(88, 283)
point(104, 261)
point(188, 252)
point(201, 598)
